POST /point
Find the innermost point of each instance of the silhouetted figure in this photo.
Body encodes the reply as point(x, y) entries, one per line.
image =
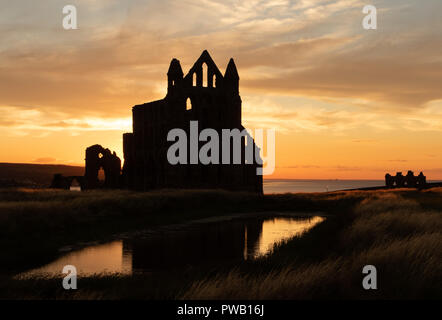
point(410, 179)
point(400, 180)
point(389, 180)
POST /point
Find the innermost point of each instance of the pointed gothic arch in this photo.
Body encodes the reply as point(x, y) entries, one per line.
point(205, 75)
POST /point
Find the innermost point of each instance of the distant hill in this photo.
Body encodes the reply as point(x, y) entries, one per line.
point(33, 175)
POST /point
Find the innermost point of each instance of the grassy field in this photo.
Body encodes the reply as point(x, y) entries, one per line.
point(33, 175)
point(397, 231)
point(397, 235)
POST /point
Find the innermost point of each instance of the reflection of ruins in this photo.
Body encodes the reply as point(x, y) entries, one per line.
point(197, 246)
point(252, 234)
point(202, 244)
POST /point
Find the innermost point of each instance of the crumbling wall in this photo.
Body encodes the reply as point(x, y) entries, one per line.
point(96, 158)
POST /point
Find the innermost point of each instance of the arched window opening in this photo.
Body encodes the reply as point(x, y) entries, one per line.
point(173, 83)
point(194, 79)
point(214, 81)
point(205, 75)
point(188, 104)
point(101, 175)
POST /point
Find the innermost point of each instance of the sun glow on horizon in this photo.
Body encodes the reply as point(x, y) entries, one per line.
point(346, 103)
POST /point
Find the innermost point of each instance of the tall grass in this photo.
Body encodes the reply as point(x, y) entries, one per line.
point(397, 231)
point(396, 235)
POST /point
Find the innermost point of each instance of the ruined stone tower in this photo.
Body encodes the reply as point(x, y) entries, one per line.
point(203, 95)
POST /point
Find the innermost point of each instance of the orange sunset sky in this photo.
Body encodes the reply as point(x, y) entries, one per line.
point(346, 103)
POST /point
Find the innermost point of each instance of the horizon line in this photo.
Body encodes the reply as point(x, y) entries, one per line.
point(264, 178)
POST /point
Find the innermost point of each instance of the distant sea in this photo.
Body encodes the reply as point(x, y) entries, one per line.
point(283, 186)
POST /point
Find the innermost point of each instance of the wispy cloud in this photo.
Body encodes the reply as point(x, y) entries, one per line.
point(45, 160)
point(307, 67)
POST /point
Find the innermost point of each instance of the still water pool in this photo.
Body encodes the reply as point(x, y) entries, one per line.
point(198, 244)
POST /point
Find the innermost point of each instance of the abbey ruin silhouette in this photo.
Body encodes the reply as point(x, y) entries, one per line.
point(204, 95)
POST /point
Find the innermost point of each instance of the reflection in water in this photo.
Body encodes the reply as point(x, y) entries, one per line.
point(279, 229)
point(196, 245)
point(103, 258)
